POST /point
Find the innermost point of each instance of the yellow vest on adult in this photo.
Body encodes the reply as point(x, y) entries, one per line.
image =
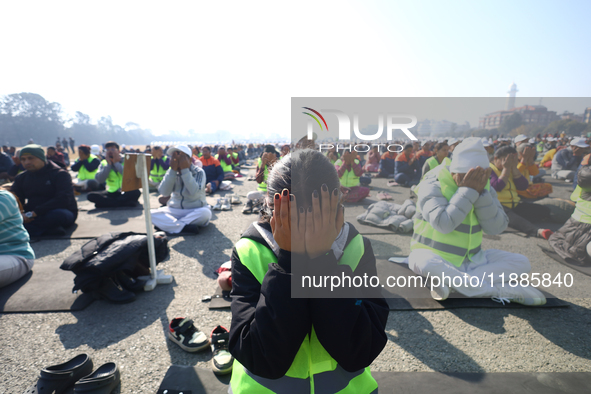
point(466, 239)
point(158, 172)
point(114, 180)
point(582, 211)
point(263, 185)
point(508, 196)
point(311, 359)
point(84, 174)
point(349, 179)
point(225, 167)
point(433, 163)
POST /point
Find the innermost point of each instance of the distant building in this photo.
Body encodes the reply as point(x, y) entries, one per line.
point(510, 102)
point(571, 116)
point(530, 114)
point(587, 115)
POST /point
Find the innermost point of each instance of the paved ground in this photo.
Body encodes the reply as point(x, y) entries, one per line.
point(133, 335)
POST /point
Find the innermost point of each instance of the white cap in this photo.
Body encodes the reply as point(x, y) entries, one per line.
point(532, 141)
point(469, 154)
point(580, 142)
point(520, 137)
point(95, 150)
point(180, 148)
point(485, 142)
point(452, 141)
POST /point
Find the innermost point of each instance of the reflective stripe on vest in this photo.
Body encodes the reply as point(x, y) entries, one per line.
point(582, 211)
point(349, 179)
point(508, 196)
point(311, 360)
point(84, 174)
point(225, 167)
point(114, 179)
point(263, 185)
point(466, 239)
point(158, 172)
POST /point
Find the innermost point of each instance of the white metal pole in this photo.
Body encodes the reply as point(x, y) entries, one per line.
point(155, 276)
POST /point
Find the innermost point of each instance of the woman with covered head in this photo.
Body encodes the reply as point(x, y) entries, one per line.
point(309, 344)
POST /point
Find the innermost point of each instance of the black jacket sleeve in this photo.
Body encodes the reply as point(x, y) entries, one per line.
point(268, 326)
point(17, 190)
point(90, 166)
point(351, 330)
point(63, 182)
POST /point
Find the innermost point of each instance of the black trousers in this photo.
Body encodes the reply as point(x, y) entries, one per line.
point(105, 199)
point(522, 216)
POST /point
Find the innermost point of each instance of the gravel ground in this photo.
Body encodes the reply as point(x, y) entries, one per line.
point(133, 335)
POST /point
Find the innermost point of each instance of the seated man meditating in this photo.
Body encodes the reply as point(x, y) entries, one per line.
point(184, 182)
point(213, 170)
point(16, 256)
point(46, 192)
point(111, 172)
point(456, 205)
point(407, 171)
point(573, 240)
point(86, 166)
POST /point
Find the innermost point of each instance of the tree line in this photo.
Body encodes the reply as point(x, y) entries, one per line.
point(26, 116)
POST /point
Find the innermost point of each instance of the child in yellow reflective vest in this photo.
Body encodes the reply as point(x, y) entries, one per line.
point(302, 345)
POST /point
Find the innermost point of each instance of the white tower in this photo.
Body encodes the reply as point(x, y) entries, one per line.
point(510, 103)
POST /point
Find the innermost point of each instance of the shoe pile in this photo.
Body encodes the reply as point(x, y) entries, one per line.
point(222, 204)
point(182, 332)
point(253, 206)
point(77, 374)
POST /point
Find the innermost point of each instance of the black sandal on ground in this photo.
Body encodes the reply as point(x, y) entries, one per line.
point(59, 378)
point(102, 381)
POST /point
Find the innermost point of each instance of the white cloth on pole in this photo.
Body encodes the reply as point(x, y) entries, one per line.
point(496, 262)
point(173, 220)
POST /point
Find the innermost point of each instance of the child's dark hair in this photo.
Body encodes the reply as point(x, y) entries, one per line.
point(301, 172)
point(504, 151)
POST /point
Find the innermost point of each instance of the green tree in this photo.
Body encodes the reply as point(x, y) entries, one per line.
point(510, 123)
point(29, 115)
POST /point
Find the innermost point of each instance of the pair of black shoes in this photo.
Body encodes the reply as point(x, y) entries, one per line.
point(77, 373)
point(119, 288)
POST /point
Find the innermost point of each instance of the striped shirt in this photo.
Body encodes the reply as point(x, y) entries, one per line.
point(14, 239)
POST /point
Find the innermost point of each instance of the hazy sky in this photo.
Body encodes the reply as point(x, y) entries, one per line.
point(234, 66)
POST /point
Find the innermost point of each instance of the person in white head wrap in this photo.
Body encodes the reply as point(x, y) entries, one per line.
point(456, 205)
point(184, 183)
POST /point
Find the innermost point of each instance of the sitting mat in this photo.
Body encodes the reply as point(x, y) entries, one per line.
point(220, 300)
point(194, 380)
point(419, 298)
point(552, 254)
point(46, 288)
point(90, 226)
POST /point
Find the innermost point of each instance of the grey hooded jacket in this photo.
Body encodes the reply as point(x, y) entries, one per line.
point(445, 216)
point(187, 189)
